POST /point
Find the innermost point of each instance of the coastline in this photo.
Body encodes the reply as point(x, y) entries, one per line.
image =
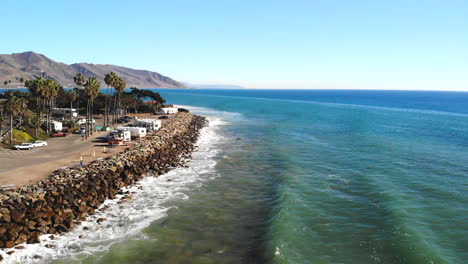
point(57, 204)
point(60, 153)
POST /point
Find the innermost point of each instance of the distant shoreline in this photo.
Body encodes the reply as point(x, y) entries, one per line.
point(273, 89)
point(11, 88)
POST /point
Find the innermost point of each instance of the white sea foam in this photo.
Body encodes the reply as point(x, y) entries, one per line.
point(128, 219)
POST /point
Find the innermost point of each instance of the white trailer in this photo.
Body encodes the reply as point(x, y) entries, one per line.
point(148, 123)
point(169, 110)
point(118, 137)
point(65, 111)
point(56, 126)
point(135, 132)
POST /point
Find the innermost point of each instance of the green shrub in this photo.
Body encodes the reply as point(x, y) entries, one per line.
point(22, 136)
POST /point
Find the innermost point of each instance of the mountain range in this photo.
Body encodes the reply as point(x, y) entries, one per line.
point(29, 65)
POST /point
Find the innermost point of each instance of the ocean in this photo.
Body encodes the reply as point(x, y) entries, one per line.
point(296, 176)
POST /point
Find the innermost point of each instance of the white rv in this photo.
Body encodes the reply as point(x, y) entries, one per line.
point(135, 132)
point(148, 123)
point(56, 126)
point(119, 137)
point(66, 111)
point(169, 110)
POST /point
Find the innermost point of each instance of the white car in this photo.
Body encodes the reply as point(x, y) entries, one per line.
point(39, 144)
point(83, 121)
point(27, 146)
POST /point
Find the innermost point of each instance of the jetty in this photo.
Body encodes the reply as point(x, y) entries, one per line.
point(60, 202)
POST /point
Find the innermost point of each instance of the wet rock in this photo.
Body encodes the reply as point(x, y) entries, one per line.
point(9, 244)
point(55, 204)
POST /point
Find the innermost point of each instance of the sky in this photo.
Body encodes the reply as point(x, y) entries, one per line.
point(300, 44)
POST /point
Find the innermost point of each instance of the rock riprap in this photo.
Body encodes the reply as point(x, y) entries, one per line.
point(58, 203)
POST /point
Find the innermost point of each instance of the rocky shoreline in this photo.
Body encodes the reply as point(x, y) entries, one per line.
point(58, 203)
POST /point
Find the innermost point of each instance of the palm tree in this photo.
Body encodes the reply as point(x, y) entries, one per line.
point(72, 95)
point(120, 86)
point(2, 123)
point(79, 80)
point(35, 121)
point(14, 106)
point(50, 92)
point(92, 89)
point(110, 80)
point(37, 88)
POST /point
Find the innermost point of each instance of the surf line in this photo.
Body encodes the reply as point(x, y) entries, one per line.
point(60, 202)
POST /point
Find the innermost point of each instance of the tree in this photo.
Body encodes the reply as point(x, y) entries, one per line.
point(21, 79)
point(110, 80)
point(5, 83)
point(35, 121)
point(79, 80)
point(92, 89)
point(136, 93)
point(119, 86)
point(157, 100)
point(14, 106)
point(2, 123)
point(50, 93)
point(37, 88)
point(72, 96)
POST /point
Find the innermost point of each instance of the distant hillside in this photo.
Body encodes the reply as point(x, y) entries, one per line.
point(29, 65)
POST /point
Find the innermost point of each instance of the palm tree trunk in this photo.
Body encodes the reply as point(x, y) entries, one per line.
point(106, 114)
point(11, 129)
point(114, 107)
point(87, 119)
point(91, 117)
point(38, 109)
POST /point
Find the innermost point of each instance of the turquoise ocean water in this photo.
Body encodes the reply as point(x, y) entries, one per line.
point(298, 177)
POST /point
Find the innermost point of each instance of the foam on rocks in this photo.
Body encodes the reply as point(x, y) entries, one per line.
point(58, 203)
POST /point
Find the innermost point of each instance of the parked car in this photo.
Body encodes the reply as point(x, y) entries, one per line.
point(59, 134)
point(163, 117)
point(124, 119)
point(121, 120)
point(39, 144)
point(83, 121)
point(27, 146)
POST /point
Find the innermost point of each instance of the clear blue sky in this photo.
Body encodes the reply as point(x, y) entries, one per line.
point(317, 44)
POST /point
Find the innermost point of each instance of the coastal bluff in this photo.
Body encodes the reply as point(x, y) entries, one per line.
point(58, 203)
